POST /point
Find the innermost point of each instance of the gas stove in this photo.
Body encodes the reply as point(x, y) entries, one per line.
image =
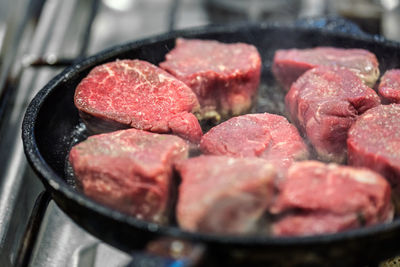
point(39, 38)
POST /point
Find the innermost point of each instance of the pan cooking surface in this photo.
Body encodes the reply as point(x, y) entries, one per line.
point(270, 99)
point(52, 125)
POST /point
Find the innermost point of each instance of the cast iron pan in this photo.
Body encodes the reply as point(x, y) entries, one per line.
point(52, 125)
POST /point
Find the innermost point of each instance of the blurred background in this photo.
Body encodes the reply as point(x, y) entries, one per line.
point(38, 38)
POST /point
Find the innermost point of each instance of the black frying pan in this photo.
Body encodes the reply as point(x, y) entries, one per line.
point(52, 125)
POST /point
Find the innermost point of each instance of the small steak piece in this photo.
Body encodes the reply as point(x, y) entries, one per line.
point(129, 170)
point(264, 135)
point(374, 141)
point(224, 195)
point(324, 102)
point(389, 87)
point(135, 93)
point(318, 198)
point(290, 64)
point(225, 77)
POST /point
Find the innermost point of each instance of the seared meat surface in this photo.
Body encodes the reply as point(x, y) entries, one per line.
point(318, 198)
point(225, 77)
point(265, 135)
point(129, 170)
point(324, 102)
point(290, 64)
point(135, 93)
point(389, 86)
point(374, 141)
point(224, 195)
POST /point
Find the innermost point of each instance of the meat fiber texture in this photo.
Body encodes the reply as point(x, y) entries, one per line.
point(319, 198)
point(265, 135)
point(224, 195)
point(129, 170)
point(374, 142)
point(389, 86)
point(290, 64)
point(324, 102)
point(135, 93)
point(225, 77)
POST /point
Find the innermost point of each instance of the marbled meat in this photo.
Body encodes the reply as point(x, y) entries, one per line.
point(290, 64)
point(129, 170)
point(389, 86)
point(219, 194)
point(225, 77)
point(135, 93)
point(324, 102)
point(374, 142)
point(319, 198)
point(265, 135)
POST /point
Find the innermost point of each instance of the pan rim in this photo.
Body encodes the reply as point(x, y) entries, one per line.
point(57, 184)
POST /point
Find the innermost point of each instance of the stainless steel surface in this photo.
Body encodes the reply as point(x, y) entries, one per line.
point(79, 249)
point(139, 19)
point(14, 209)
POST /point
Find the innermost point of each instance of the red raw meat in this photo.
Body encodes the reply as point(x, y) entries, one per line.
point(224, 195)
point(290, 64)
point(135, 93)
point(324, 102)
point(129, 170)
point(374, 141)
point(268, 136)
point(389, 87)
point(225, 77)
point(318, 198)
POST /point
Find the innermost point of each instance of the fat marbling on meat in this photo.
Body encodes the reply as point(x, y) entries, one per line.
point(220, 194)
point(319, 198)
point(374, 142)
point(290, 64)
point(225, 77)
point(324, 102)
point(129, 170)
point(135, 93)
point(263, 135)
point(389, 86)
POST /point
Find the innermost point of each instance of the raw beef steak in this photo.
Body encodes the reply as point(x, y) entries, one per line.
point(135, 93)
point(389, 87)
point(318, 198)
point(224, 195)
point(264, 135)
point(225, 77)
point(289, 64)
point(374, 141)
point(324, 102)
point(129, 170)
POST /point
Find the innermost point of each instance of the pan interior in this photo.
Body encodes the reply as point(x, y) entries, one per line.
point(58, 126)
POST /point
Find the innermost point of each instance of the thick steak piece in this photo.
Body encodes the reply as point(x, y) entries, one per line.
point(290, 64)
point(374, 141)
point(319, 198)
point(135, 93)
point(389, 86)
point(224, 195)
point(225, 77)
point(129, 170)
point(324, 102)
point(268, 136)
